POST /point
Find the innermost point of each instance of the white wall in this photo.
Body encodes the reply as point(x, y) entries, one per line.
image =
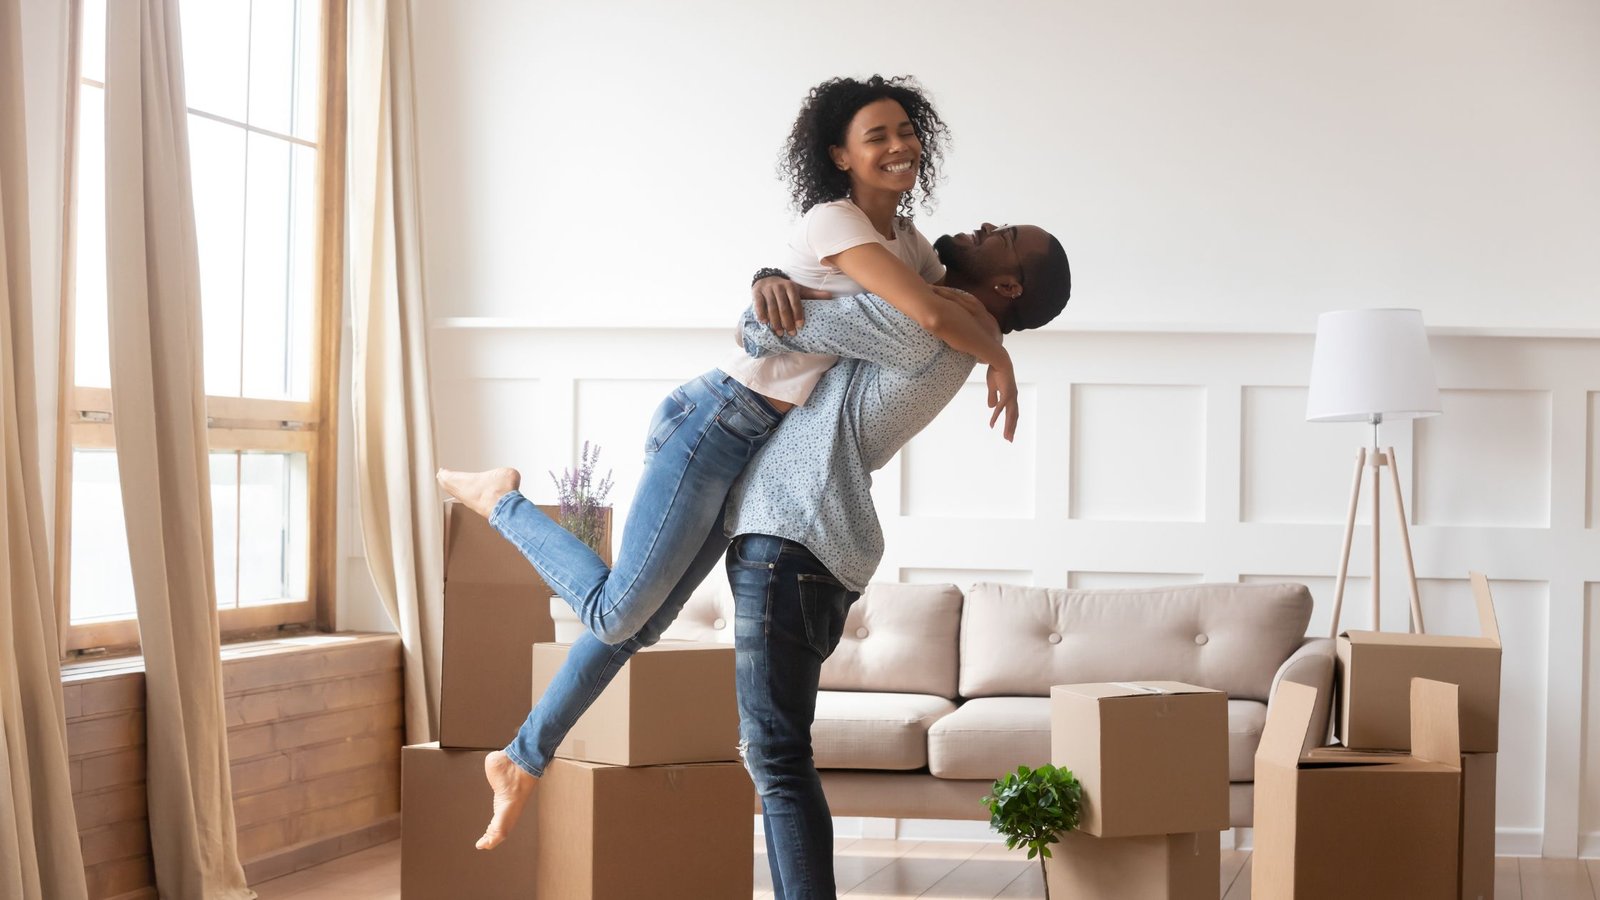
point(596, 174)
point(1234, 163)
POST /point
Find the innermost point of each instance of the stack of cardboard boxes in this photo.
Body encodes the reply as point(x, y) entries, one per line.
point(1405, 808)
point(496, 607)
point(1152, 758)
point(645, 798)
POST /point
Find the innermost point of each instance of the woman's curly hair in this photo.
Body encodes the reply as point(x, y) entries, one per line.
point(825, 115)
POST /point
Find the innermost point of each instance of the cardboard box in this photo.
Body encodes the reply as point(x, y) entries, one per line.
point(644, 833)
point(1477, 826)
point(673, 702)
point(1152, 756)
point(1338, 823)
point(1477, 817)
point(1375, 668)
point(445, 803)
point(1156, 867)
point(496, 607)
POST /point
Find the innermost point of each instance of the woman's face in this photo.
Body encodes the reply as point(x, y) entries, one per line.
point(880, 151)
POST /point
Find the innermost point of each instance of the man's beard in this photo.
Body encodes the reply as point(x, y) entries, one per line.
point(949, 254)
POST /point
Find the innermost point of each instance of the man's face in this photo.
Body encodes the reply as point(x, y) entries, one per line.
point(987, 262)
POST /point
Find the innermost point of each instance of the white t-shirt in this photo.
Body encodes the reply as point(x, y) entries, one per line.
point(825, 230)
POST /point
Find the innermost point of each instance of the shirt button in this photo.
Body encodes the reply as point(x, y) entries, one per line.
point(861, 632)
point(1055, 638)
point(1201, 639)
point(720, 624)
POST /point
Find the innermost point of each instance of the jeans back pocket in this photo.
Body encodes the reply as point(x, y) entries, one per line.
point(824, 605)
point(669, 415)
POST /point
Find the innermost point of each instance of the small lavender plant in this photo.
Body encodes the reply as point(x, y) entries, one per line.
point(583, 500)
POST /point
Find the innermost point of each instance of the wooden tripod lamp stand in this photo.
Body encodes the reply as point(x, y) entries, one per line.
point(1369, 365)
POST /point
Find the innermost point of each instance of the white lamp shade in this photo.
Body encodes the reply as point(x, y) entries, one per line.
point(1371, 362)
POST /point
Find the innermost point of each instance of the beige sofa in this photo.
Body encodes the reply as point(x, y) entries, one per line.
point(933, 694)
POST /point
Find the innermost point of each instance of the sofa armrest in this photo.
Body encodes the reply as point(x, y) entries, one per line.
point(1311, 665)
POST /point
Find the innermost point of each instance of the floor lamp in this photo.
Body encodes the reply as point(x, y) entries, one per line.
point(1370, 365)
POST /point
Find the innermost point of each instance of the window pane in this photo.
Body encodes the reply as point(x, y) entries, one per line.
point(217, 167)
point(280, 232)
point(92, 46)
point(216, 59)
point(91, 348)
point(285, 67)
point(272, 527)
point(225, 527)
point(102, 579)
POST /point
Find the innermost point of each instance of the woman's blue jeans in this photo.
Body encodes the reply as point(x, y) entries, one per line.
point(700, 440)
point(789, 613)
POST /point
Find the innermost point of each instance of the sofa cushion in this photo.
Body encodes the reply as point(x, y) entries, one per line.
point(989, 737)
point(708, 614)
point(1018, 641)
point(901, 638)
point(1246, 718)
point(860, 730)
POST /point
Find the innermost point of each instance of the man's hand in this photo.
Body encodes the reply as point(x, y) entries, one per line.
point(777, 303)
point(1003, 398)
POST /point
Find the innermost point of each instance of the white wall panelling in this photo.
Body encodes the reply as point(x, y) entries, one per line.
point(1448, 455)
point(1184, 416)
point(1103, 580)
point(1290, 469)
point(964, 578)
point(998, 480)
point(1592, 516)
point(1138, 452)
point(1589, 825)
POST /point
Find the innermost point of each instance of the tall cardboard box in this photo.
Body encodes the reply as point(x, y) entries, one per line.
point(496, 607)
point(1152, 756)
point(1155, 867)
point(1338, 823)
point(644, 833)
point(1375, 668)
point(444, 805)
point(673, 702)
point(1477, 816)
point(1477, 826)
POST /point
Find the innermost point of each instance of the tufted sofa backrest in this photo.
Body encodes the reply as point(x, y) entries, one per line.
point(899, 638)
point(1018, 641)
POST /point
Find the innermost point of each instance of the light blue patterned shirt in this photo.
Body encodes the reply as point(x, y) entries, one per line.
point(812, 482)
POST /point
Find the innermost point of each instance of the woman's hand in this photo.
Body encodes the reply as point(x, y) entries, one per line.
point(1003, 397)
point(777, 303)
point(972, 305)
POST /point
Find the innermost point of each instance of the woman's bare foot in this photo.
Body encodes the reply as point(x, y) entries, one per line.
point(512, 788)
point(480, 491)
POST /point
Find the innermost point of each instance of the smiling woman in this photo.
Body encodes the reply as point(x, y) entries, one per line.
point(260, 137)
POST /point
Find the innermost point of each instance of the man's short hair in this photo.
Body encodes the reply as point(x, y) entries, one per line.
point(1048, 283)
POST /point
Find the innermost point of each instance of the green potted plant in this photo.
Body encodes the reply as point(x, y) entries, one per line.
point(1032, 807)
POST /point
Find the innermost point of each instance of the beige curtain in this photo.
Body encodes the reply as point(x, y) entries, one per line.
point(39, 853)
point(158, 401)
point(401, 521)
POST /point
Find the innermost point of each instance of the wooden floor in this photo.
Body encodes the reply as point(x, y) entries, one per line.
point(892, 870)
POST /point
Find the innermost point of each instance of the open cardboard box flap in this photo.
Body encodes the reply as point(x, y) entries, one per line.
point(1130, 689)
point(1435, 729)
point(475, 553)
